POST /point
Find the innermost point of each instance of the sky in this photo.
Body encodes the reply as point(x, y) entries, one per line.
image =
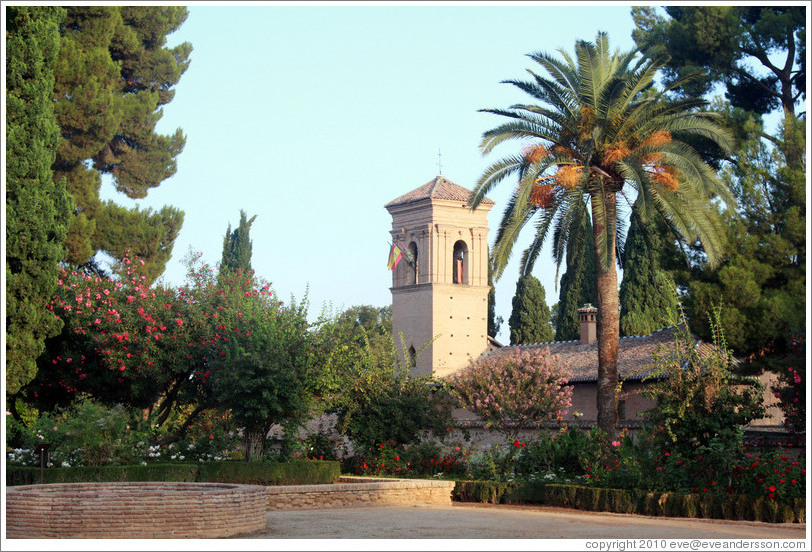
point(313, 116)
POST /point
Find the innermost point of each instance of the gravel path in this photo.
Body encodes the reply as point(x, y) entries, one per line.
point(467, 521)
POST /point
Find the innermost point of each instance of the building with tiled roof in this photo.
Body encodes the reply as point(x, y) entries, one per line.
point(637, 369)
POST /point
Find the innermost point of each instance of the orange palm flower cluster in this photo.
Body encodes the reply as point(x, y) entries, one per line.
point(657, 139)
point(568, 176)
point(533, 154)
point(666, 177)
point(616, 152)
point(542, 194)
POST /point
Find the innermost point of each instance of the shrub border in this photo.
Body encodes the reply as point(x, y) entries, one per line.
point(579, 497)
point(244, 473)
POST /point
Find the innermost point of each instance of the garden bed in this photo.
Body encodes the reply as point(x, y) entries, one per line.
point(134, 510)
point(693, 505)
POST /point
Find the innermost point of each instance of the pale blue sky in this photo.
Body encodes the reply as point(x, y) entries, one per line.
point(313, 117)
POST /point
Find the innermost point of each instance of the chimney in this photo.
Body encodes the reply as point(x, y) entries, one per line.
point(588, 317)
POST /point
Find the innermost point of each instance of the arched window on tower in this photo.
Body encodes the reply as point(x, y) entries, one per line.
point(412, 357)
point(459, 268)
point(411, 267)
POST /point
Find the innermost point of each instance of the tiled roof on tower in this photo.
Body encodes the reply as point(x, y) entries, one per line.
point(439, 188)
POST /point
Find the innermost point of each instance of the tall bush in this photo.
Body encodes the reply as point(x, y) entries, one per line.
point(699, 413)
point(514, 388)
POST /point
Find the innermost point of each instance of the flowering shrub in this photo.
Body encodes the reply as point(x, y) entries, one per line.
point(422, 460)
point(791, 389)
point(699, 414)
point(513, 388)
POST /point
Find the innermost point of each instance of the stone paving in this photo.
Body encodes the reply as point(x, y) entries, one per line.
point(468, 521)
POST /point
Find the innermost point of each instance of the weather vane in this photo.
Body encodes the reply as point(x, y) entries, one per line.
point(439, 161)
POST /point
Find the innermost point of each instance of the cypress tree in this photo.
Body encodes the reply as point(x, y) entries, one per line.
point(237, 246)
point(577, 283)
point(37, 206)
point(647, 292)
point(112, 76)
point(530, 319)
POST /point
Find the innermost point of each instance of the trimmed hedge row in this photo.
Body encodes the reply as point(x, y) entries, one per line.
point(634, 502)
point(248, 473)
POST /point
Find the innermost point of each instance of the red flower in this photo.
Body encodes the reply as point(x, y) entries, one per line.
point(517, 444)
point(211, 436)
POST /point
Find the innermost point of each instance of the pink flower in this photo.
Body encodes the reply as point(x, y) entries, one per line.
point(179, 321)
point(615, 443)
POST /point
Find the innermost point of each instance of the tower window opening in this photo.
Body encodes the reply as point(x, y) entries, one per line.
point(459, 267)
point(411, 268)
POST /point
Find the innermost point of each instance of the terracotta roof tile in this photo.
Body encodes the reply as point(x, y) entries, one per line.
point(634, 355)
point(439, 188)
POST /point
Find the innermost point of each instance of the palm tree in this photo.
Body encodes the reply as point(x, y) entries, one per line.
point(601, 132)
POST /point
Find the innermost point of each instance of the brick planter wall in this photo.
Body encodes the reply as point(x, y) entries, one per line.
point(134, 510)
point(361, 491)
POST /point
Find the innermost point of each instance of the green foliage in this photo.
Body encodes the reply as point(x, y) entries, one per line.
point(237, 245)
point(37, 206)
point(483, 492)
point(565, 452)
point(791, 387)
point(423, 459)
point(699, 414)
point(270, 473)
point(647, 290)
point(577, 282)
point(113, 74)
point(757, 52)
point(529, 320)
point(244, 473)
point(263, 377)
point(382, 406)
point(763, 282)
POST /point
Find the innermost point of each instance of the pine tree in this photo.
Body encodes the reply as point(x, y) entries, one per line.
point(37, 207)
point(530, 319)
point(237, 245)
point(647, 292)
point(112, 76)
point(494, 322)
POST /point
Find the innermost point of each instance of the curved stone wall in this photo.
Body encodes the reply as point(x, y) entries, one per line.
point(134, 510)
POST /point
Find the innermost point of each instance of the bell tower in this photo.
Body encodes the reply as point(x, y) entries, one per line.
point(440, 288)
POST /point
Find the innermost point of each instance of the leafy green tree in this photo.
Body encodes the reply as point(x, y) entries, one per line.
point(381, 406)
point(647, 292)
point(757, 54)
point(724, 45)
point(761, 286)
point(37, 206)
point(112, 76)
point(529, 320)
point(237, 245)
point(603, 128)
point(263, 377)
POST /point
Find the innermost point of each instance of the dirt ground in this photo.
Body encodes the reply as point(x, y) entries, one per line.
point(468, 521)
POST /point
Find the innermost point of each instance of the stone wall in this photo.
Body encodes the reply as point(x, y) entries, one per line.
point(361, 491)
point(134, 510)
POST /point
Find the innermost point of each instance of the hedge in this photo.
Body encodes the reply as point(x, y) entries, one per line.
point(254, 473)
point(580, 497)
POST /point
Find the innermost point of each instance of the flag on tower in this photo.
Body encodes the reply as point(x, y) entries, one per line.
point(395, 255)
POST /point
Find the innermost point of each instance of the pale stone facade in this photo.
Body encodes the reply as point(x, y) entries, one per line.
point(442, 295)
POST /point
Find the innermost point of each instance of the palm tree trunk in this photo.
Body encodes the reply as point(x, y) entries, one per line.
point(608, 327)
